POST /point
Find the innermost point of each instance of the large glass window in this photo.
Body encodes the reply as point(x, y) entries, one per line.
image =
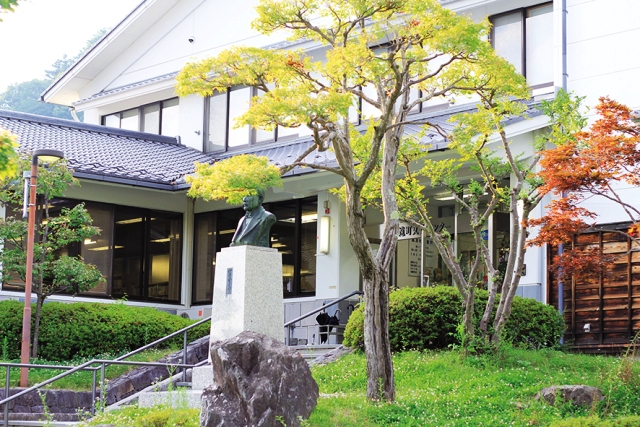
point(204, 257)
point(97, 250)
point(147, 254)
point(138, 251)
point(160, 118)
point(525, 38)
point(128, 245)
point(284, 239)
point(294, 235)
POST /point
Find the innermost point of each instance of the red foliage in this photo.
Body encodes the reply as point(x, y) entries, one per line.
point(295, 63)
point(581, 264)
point(562, 221)
point(591, 160)
point(584, 166)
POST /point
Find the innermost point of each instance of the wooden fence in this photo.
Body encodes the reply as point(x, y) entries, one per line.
point(602, 313)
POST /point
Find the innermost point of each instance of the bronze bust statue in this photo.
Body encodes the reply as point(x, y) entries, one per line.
point(253, 228)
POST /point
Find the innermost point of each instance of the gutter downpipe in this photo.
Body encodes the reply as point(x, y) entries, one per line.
point(72, 110)
point(563, 42)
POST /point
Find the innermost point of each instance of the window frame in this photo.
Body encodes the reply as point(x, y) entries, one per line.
point(252, 134)
point(140, 111)
point(523, 36)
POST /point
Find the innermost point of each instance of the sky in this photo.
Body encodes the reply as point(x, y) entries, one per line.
point(39, 32)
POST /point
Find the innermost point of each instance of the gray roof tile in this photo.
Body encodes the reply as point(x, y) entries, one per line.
point(285, 153)
point(103, 153)
point(142, 159)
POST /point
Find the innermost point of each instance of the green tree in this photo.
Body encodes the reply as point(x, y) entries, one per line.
point(25, 97)
point(392, 55)
point(8, 5)
point(8, 154)
point(506, 181)
point(54, 270)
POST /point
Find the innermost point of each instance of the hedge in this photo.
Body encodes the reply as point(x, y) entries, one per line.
point(75, 330)
point(427, 318)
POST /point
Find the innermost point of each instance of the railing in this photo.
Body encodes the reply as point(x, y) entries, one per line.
point(290, 325)
point(87, 366)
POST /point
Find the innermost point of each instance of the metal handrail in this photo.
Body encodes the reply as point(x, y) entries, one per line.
point(291, 324)
point(103, 364)
point(171, 335)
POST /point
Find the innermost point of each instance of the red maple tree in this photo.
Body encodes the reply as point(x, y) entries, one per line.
point(586, 164)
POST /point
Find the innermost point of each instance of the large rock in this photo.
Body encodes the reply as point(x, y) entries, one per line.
point(257, 382)
point(580, 395)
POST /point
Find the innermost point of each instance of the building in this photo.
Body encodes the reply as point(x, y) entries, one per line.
point(158, 246)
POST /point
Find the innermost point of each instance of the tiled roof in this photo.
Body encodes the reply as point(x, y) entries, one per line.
point(285, 153)
point(142, 159)
point(108, 154)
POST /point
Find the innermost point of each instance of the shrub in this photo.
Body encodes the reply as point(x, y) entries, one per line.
point(90, 329)
point(427, 318)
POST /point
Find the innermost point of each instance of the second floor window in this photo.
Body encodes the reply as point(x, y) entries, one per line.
point(160, 118)
point(221, 111)
point(525, 38)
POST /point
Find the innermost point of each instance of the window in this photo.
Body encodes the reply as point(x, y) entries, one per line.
point(221, 111)
point(138, 251)
point(147, 253)
point(160, 118)
point(525, 38)
point(294, 235)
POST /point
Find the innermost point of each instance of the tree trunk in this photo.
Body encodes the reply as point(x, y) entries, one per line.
point(467, 318)
point(380, 383)
point(36, 327)
point(375, 278)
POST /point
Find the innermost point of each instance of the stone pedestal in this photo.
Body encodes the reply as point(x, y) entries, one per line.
point(247, 293)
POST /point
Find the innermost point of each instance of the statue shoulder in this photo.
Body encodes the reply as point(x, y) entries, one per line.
point(271, 218)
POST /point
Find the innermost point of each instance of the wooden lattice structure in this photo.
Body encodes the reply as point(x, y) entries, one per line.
point(602, 313)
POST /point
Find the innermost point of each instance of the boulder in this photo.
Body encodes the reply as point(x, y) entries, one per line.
point(579, 395)
point(257, 382)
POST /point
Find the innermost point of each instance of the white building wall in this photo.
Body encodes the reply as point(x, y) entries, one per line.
point(601, 49)
point(602, 61)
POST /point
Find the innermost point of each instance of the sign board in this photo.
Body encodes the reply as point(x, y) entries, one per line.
point(408, 231)
point(414, 256)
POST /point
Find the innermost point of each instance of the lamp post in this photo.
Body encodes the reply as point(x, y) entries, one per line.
point(46, 156)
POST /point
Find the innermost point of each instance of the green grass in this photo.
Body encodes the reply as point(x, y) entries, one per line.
point(445, 389)
point(160, 416)
point(82, 380)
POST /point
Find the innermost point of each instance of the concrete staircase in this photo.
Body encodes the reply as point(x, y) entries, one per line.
point(22, 423)
point(184, 395)
point(202, 376)
point(310, 352)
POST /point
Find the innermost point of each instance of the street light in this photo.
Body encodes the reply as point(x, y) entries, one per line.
point(47, 156)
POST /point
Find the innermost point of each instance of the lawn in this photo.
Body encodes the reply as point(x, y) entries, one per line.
point(446, 389)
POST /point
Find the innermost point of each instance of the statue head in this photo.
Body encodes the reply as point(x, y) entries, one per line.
point(252, 201)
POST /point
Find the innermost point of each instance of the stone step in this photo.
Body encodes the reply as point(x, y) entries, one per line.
point(201, 377)
point(175, 399)
point(32, 419)
point(310, 352)
point(24, 423)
